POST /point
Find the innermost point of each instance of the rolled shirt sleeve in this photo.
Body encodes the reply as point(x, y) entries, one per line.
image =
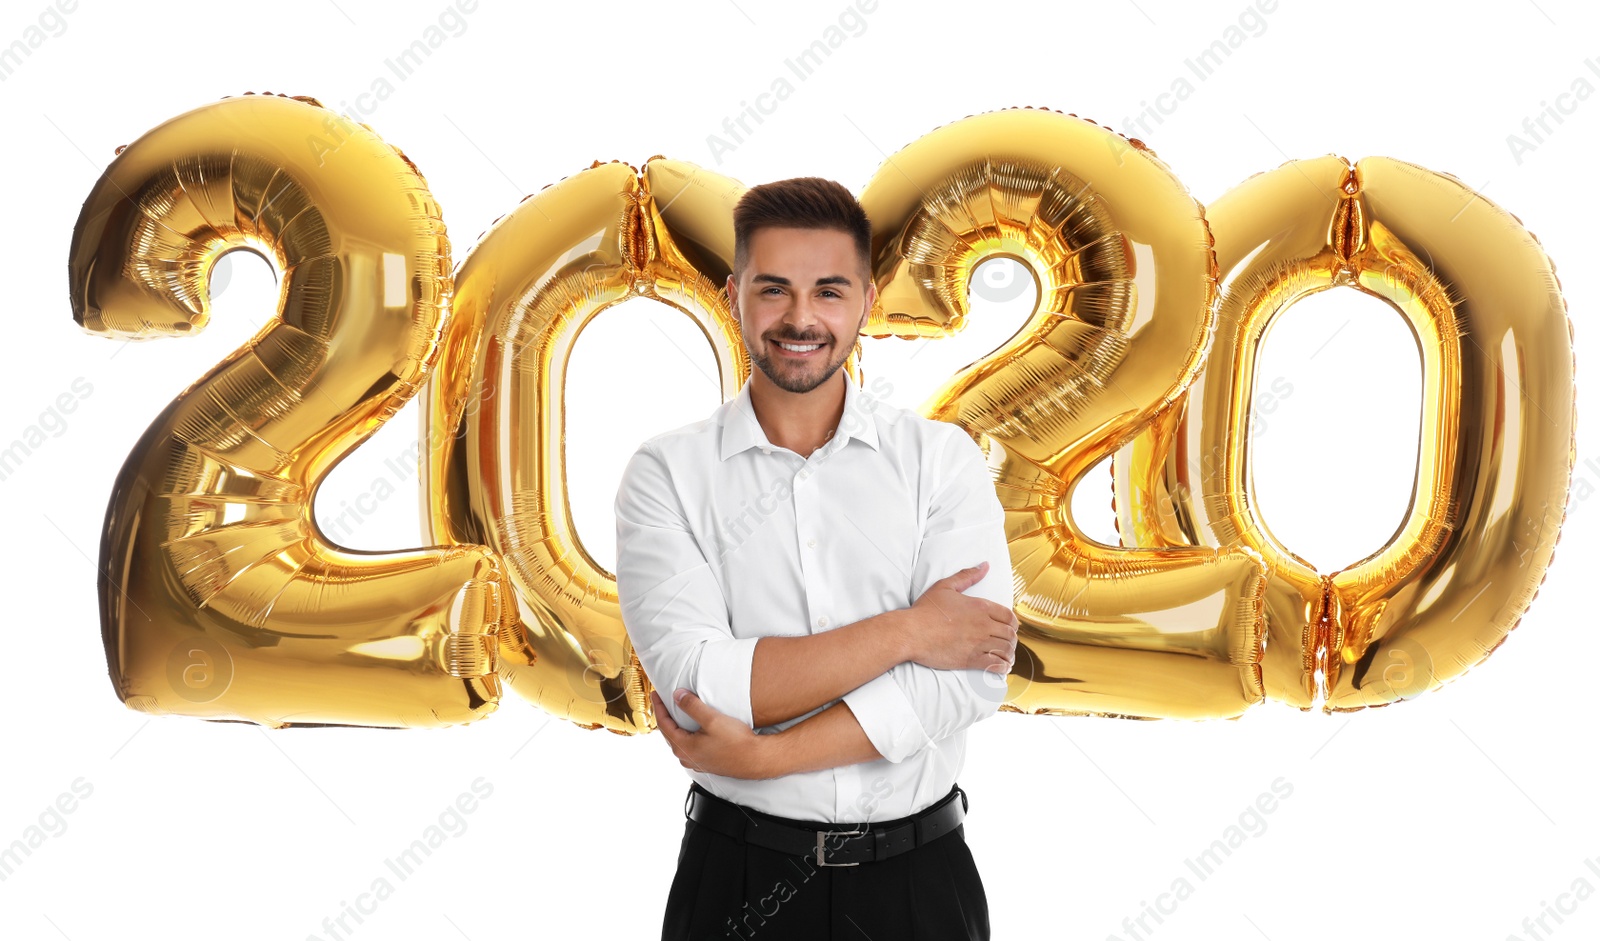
point(913, 706)
point(672, 605)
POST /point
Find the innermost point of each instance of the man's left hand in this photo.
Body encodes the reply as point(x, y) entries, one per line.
point(724, 745)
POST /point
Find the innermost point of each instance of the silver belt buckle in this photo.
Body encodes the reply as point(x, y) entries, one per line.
point(821, 834)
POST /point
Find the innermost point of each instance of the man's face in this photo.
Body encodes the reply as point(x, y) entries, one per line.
point(803, 287)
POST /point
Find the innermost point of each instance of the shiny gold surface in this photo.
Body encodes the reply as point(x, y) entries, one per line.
point(1496, 451)
point(219, 597)
point(497, 470)
point(1126, 281)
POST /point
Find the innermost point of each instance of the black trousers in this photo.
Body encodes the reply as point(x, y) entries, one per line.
point(728, 890)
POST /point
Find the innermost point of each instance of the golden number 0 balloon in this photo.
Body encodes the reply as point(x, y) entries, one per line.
point(219, 597)
point(1497, 425)
point(497, 474)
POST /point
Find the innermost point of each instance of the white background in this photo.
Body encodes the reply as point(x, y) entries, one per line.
point(1455, 815)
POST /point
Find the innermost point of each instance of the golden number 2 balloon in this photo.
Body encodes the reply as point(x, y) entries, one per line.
point(1496, 450)
point(1125, 275)
point(219, 597)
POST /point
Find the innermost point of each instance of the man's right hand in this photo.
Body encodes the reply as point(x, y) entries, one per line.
point(949, 630)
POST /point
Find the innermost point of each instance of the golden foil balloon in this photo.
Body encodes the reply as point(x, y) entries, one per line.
point(1126, 280)
point(497, 471)
point(219, 597)
point(1496, 452)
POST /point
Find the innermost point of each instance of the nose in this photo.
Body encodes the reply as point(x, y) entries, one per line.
point(801, 317)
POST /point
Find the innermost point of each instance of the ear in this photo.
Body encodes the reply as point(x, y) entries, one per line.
point(733, 296)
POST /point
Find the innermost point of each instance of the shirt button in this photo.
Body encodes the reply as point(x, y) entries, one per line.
point(766, 450)
point(811, 543)
point(822, 622)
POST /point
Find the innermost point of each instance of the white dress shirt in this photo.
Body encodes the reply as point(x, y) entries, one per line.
point(724, 538)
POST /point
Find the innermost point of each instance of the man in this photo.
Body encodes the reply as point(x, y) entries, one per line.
point(796, 569)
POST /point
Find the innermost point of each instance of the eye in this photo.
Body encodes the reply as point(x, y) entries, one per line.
point(831, 291)
point(764, 291)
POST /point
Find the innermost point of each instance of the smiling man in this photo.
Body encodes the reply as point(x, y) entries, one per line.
point(823, 582)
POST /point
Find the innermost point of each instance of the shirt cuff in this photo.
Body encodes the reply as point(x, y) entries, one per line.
point(889, 720)
point(723, 679)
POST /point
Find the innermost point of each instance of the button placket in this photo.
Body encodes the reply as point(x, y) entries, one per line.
point(811, 464)
point(807, 519)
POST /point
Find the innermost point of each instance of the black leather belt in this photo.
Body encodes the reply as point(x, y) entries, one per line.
point(827, 844)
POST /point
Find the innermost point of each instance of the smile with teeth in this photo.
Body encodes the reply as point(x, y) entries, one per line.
point(799, 349)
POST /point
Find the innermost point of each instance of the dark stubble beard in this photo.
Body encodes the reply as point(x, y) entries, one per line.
point(797, 378)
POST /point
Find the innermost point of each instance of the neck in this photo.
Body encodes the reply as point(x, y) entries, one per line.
point(799, 421)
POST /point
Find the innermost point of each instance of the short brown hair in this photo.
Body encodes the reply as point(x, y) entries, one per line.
point(805, 202)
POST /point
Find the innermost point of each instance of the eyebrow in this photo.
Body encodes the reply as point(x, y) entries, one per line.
point(779, 279)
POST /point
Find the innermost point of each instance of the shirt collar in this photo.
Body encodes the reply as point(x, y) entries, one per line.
point(741, 430)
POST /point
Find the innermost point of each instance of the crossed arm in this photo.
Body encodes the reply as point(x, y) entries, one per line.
point(889, 706)
point(789, 677)
point(829, 739)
